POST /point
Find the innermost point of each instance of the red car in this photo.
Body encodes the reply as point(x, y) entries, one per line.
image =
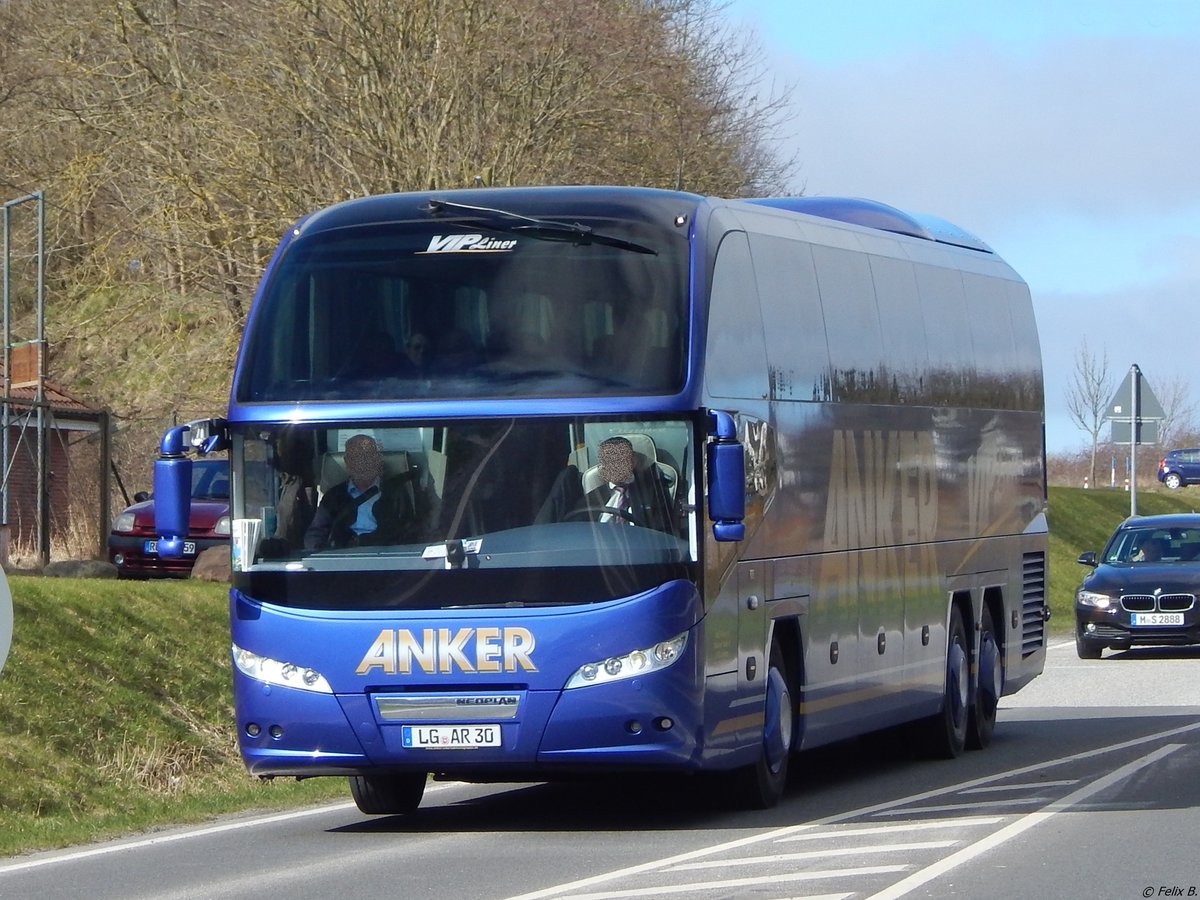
point(132, 543)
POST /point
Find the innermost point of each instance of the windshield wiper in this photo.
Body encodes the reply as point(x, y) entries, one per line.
point(542, 229)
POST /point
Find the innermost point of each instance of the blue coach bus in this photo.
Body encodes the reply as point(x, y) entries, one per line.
point(532, 483)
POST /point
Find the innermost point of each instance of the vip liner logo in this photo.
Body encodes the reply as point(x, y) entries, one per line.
point(467, 243)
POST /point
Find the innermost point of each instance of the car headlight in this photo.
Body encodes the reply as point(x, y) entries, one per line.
point(632, 664)
point(273, 671)
point(222, 527)
point(124, 522)
point(1091, 598)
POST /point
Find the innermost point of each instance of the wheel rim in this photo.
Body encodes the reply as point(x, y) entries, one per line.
point(777, 729)
point(957, 684)
point(990, 673)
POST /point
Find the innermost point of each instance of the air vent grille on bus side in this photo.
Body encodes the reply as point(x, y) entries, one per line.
point(1033, 603)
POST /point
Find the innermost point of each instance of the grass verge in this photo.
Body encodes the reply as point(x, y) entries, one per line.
point(115, 714)
point(115, 706)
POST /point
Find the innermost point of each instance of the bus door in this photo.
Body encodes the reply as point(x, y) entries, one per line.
point(753, 651)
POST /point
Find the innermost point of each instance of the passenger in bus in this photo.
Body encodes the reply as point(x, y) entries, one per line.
point(417, 353)
point(364, 510)
point(297, 494)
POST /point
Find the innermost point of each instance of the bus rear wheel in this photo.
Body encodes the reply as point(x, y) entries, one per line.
point(944, 735)
point(989, 685)
point(388, 795)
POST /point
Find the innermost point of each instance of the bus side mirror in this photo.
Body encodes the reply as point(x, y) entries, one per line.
point(726, 461)
point(173, 478)
point(172, 492)
point(208, 435)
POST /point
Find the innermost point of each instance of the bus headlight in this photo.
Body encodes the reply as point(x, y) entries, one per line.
point(285, 674)
point(1093, 599)
point(631, 665)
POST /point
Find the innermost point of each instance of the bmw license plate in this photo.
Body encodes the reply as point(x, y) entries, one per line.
point(1158, 618)
point(189, 547)
point(450, 737)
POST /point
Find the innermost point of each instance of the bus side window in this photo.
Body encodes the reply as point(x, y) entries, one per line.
point(736, 349)
point(787, 289)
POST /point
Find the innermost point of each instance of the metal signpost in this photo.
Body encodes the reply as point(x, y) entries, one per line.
point(1135, 413)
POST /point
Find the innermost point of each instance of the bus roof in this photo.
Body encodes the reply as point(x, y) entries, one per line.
point(621, 200)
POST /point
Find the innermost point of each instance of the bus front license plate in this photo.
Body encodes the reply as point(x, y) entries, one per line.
point(450, 737)
point(1158, 619)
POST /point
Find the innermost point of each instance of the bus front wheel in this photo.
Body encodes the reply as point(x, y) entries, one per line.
point(388, 795)
point(761, 786)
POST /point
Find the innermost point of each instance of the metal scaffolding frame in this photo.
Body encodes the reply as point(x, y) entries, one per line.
point(43, 491)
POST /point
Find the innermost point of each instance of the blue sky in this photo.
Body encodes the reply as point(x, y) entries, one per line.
point(1066, 135)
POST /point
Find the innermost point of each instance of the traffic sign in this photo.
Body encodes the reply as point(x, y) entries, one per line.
point(1133, 404)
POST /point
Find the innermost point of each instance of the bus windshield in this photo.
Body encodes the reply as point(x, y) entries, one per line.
point(506, 502)
point(435, 309)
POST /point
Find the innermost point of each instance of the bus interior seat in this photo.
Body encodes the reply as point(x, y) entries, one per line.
point(645, 454)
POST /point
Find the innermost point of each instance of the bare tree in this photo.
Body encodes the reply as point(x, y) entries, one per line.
point(176, 141)
point(1088, 394)
point(1179, 411)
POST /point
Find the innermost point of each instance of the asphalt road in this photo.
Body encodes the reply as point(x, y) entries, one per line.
point(1090, 789)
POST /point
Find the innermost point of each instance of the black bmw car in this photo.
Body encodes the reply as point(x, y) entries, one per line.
point(1142, 588)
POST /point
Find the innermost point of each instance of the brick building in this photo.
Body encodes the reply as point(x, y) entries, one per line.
point(75, 437)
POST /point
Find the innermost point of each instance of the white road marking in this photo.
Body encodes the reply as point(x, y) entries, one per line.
point(1033, 786)
point(955, 807)
point(924, 876)
point(894, 829)
point(570, 888)
point(827, 853)
point(106, 849)
point(204, 831)
point(732, 883)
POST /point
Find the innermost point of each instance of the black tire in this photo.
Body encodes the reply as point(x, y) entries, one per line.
point(761, 785)
point(989, 685)
point(1173, 481)
point(1086, 648)
point(388, 795)
point(944, 735)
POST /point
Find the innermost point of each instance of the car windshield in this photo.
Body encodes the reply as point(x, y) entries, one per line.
point(210, 480)
point(1150, 545)
point(501, 502)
